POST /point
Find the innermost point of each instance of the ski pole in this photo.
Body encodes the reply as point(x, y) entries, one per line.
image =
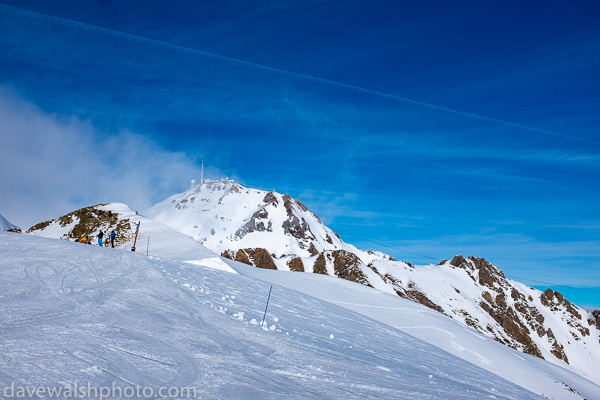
point(267, 306)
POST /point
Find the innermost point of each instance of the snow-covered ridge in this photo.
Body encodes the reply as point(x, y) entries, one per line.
point(5, 225)
point(270, 230)
point(153, 237)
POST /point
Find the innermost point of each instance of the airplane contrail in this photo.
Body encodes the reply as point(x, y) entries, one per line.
point(136, 38)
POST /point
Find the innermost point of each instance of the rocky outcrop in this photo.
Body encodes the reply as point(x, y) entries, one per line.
point(301, 205)
point(296, 264)
point(531, 314)
point(259, 222)
point(460, 262)
point(320, 265)
point(230, 254)
point(297, 228)
point(558, 350)
point(347, 266)
point(517, 319)
point(412, 293)
point(270, 198)
point(595, 320)
point(88, 221)
point(242, 257)
point(257, 257)
point(489, 275)
point(260, 257)
point(409, 291)
point(294, 226)
point(510, 322)
point(557, 303)
point(481, 271)
point(555, 300)
point(312, 250)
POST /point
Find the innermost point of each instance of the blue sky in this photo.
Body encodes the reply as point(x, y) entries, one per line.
point(430, 127)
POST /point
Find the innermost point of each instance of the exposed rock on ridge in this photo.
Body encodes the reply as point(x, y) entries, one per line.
point(88, 221)
point(258, 257)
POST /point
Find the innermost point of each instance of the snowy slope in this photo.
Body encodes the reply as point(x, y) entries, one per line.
point(274, 231)
point(539, 376)
point(478, 295)
point(81, 315)
point(5, 225)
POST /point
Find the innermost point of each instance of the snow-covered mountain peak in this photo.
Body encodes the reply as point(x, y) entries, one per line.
point(226, 216)
point(223, 187)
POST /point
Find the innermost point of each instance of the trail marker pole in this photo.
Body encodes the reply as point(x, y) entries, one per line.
point(137, 230)
point(267, 306)
point(147, 246)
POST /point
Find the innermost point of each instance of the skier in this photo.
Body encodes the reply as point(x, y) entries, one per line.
point(112, 238)
point(100, 236)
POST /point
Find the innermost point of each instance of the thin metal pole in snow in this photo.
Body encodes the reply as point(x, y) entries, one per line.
point(267, 306)
point(147, 246)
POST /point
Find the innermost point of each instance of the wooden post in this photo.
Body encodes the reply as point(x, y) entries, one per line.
point(136, 235)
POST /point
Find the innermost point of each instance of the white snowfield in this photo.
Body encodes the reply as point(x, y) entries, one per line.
point(74, 314)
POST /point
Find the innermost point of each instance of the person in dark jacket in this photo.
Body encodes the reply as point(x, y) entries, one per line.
point(100, 236)
point(112, 238)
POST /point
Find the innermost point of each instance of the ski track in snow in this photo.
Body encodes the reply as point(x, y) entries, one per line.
point(76, 314)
